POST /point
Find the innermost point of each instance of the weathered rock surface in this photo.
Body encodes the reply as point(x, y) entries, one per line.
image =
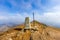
point(43, 32)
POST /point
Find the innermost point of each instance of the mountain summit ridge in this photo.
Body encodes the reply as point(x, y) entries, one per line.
point(43, 32)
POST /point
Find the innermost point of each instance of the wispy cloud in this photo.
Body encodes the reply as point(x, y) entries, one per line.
point(46, 11)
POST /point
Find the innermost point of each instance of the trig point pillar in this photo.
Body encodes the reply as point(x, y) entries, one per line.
point(27, 23)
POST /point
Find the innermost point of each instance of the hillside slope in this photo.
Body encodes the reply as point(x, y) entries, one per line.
point(42, 32)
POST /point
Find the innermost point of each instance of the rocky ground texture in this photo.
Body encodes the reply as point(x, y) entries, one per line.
point(43, 32)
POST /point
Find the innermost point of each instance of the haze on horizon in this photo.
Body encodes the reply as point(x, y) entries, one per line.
point(15, 11)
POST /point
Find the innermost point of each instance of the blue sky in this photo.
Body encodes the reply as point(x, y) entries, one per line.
point(15, 11)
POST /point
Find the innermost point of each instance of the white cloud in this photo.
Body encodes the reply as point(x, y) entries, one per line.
point(49, 18)
point(12, 18)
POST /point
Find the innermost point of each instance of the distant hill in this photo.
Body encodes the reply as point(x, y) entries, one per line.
point(42, 32)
